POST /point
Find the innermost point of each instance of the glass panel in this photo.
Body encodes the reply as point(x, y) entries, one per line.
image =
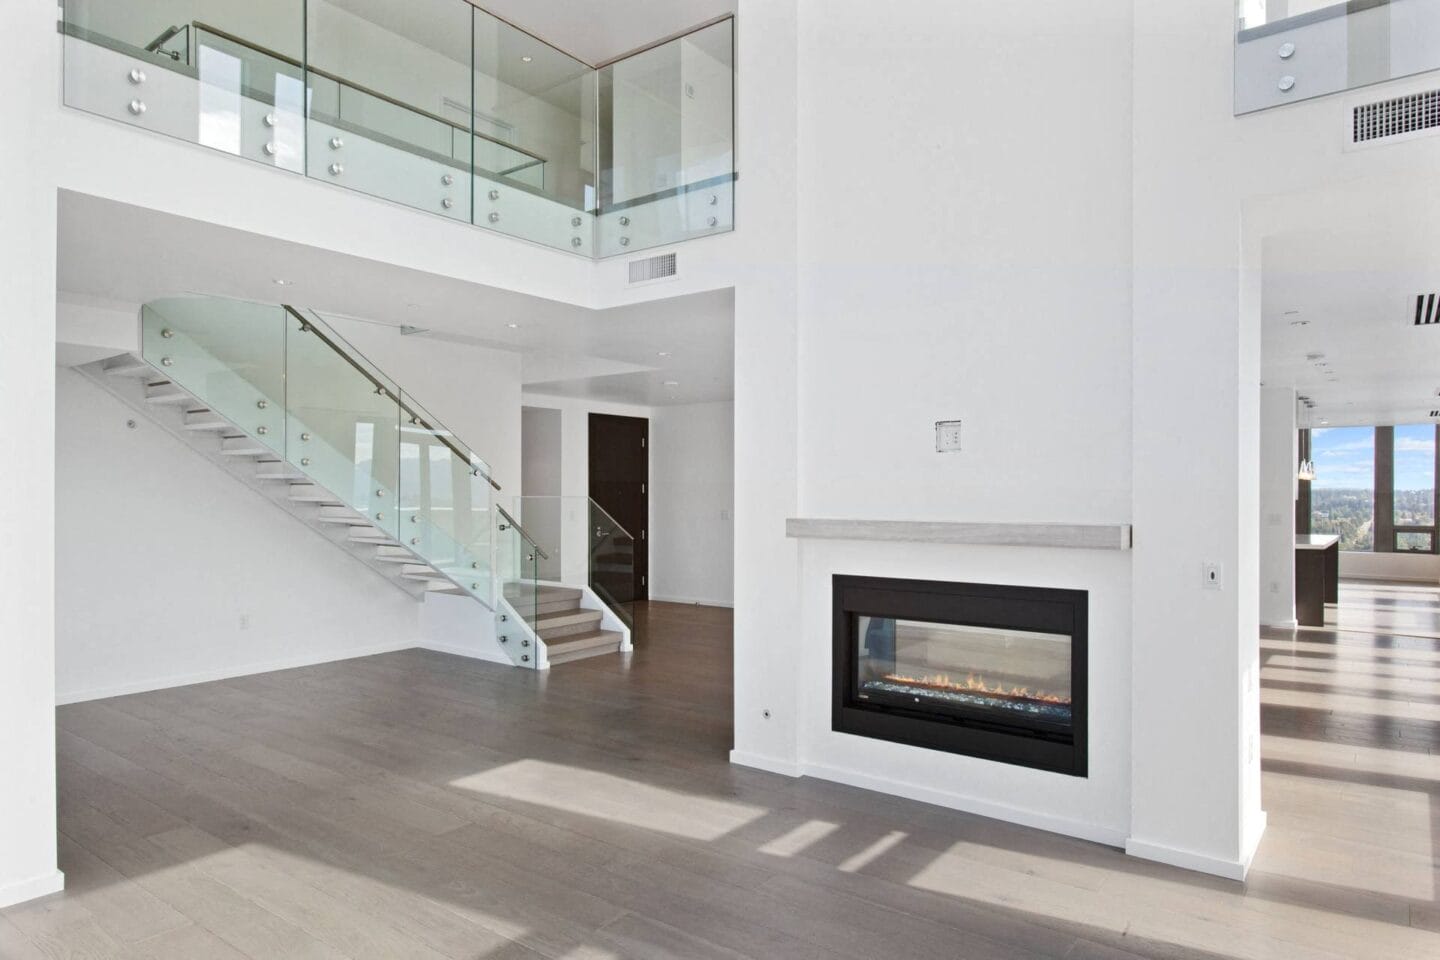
point(517, 563)
point(1342, 495)
point(344, 422)
point(228, 353)
point(1289, 50)
point(390, 100)
point(612, 562)
point(1415, 475)
point(667, 146)
point(141, 61)
point(552, 521)
point(1414, 541)
point(964, 669)
point(534, 126)
point(445, 500)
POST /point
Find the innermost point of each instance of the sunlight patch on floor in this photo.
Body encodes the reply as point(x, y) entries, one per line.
point(1402, 683)
point(608, 797)
point(803, 836)
point(1350, 703)
point(859, 861)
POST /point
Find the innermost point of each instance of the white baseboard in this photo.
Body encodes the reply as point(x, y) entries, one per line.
point(693, 601)
point(786, 768)
point(41, 886)
point(1097, 833)
point(1282, 624)
point(1190, 860)
point(224, 673)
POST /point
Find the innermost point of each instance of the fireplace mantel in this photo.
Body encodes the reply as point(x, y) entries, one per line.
point(1078, 536)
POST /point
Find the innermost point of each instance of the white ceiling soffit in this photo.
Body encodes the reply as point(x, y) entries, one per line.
point(1339, 319)
point(617, 352)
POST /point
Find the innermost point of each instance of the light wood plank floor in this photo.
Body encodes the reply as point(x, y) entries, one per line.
point(422, 805)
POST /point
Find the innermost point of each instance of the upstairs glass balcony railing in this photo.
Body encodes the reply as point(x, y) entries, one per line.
point(434, 104)
point(1292, 50)
point(288, 380)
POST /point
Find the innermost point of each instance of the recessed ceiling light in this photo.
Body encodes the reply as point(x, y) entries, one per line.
point(1323, 421)
point(672, 383)
point(1321, 364)
point(282, 283)
point(526, 59)
point(663, 353)
point(513, 326)
point(1299, 323)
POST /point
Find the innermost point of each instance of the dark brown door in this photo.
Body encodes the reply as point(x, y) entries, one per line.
point(619, 483)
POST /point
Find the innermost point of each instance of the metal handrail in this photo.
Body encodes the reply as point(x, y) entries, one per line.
point(521, 530)
point(154, 45)
point(308, 325)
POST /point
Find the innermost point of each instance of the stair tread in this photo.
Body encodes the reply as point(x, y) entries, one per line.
point(566, 617)
point(544, 593)
point(583, 641)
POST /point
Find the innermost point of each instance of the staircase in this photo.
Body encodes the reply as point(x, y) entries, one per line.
point(568, 630)
point(279, 401)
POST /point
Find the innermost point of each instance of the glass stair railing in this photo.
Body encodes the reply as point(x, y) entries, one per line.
point(318, 415)
point(583, 543)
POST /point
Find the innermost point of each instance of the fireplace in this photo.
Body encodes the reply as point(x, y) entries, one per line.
point(997, 672)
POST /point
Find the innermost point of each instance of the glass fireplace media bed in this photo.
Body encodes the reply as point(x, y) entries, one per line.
point(992, 671)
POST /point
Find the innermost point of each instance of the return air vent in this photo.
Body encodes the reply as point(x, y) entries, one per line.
point(1396, 117)
point(1435, 413)
point(652, 268)
point(1425, 314)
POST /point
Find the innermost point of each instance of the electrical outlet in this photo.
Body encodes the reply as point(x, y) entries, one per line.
point(947, 436)
point(1214, 576)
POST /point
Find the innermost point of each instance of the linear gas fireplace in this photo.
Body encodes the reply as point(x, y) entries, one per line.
point(996, 672)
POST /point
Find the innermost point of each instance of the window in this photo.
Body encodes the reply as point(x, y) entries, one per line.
point(1414, 485)
point(1342, 495)
point(1374, 487)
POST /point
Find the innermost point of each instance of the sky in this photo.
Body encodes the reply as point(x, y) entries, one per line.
point(1345, 457)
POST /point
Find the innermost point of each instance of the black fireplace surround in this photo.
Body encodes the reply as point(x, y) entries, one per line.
point(990, 671)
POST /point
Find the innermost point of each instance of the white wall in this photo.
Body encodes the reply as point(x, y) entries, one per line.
point(27, 481)
point(1279, 455)
point(1423, 568)
point(692, 503)
point(542, 460)
point(168, 571)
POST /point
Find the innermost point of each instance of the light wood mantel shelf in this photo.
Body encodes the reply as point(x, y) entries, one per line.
point(1078, 536)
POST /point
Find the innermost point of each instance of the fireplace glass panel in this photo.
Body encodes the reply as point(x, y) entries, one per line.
point(1013, 676)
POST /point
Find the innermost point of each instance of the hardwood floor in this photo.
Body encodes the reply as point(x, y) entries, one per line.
point(421, 805)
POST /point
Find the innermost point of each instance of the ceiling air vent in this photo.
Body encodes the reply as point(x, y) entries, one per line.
point(1384, 119)
point(1425, 314)
point(1435, 413)
point(652, 268)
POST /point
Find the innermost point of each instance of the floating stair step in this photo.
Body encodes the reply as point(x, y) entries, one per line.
point(167, 393)
point(421, 571)
point(311, 493)
point(243, 447)
point(401, 558)
point(206, 420)
point(277, 470)
point(129, 366)
point(371, 536)
point(344, 516)
point(553, 626)
point(594, 644)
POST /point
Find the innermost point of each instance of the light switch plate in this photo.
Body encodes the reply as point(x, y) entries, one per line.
point(947, 436)
point(1213, 576)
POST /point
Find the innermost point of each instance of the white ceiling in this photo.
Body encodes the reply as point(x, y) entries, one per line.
point(1348, 294)
point(566, 350)
point(597, 31)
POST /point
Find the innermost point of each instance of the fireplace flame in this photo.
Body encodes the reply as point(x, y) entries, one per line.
point(974, 684)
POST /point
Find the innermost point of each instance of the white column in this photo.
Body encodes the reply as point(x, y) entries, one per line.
point(1278, 458)
point(27, 455)
point(1194, 719)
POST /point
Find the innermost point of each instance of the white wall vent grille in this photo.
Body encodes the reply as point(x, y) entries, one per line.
point(652, 268)
point(1395, 117)
point(1425, 313)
